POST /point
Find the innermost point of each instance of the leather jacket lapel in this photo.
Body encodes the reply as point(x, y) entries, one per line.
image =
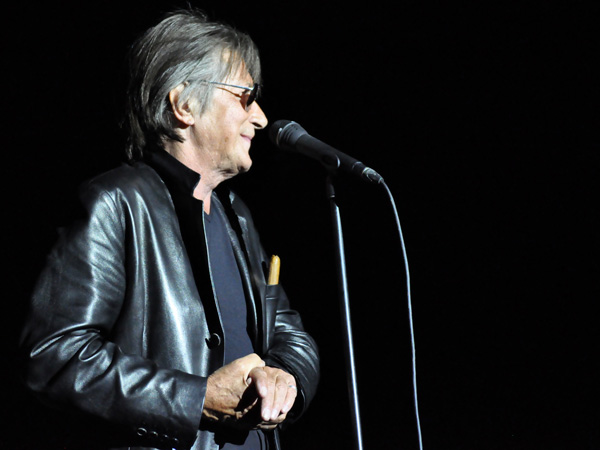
point(238, 226)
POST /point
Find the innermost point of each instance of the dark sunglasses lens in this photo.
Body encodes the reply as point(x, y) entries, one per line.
point(252, 96)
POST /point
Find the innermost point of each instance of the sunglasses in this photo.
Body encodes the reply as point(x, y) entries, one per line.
point(252, 91)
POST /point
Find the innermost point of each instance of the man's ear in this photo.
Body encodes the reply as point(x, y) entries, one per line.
point(182, 110)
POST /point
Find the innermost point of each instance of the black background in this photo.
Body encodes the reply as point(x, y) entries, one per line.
point(482, 119)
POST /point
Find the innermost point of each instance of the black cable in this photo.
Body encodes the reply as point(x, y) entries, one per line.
point(410, 318)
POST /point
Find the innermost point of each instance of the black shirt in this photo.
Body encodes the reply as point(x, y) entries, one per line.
point(228, 287)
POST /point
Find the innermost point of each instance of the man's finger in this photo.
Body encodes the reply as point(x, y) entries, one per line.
point(258, 377)
point(292, 392)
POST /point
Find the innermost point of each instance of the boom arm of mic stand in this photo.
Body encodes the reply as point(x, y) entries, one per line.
point(345, 309)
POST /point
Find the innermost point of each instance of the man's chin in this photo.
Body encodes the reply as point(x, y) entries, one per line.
point(236, 167)
point(245, 167)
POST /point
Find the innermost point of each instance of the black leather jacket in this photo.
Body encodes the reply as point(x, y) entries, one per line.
point(118, 331)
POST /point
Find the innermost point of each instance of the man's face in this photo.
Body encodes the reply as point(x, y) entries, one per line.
point(223, 133)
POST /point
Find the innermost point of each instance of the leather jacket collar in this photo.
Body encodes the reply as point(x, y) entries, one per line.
point(179, 178)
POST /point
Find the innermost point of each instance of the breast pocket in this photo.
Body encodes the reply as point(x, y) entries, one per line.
point(272, 295)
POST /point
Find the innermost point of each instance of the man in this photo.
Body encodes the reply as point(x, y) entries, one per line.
point(153, 320)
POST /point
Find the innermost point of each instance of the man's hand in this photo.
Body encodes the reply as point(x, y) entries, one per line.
point(227, 394)
point(277, 391)
point(247, 394)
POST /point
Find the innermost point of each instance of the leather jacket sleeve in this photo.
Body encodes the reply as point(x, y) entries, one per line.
point(69, 336)
point(294, 351)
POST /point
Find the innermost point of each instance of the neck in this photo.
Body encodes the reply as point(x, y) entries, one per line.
point(203, 193)
point(209, 179)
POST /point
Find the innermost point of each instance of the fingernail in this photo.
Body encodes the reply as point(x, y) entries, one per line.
point(267, 414)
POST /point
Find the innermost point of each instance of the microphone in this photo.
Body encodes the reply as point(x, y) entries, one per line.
point(290, 136)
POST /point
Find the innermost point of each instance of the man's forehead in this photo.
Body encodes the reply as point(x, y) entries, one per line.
point(240, 76)
point(238, 69)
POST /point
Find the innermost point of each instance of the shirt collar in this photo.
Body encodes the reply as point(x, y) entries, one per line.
point(177, 176)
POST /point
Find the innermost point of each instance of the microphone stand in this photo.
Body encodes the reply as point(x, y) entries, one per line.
point(345, 308)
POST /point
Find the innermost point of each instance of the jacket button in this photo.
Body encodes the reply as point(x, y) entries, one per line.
point(213, 341)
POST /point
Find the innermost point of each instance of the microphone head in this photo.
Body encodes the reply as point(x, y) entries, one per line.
point(285, 133)
point(274, 130)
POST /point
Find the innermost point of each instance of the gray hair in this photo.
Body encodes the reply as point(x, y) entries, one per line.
point(184, 48)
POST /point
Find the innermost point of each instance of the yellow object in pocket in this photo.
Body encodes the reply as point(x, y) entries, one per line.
point(274, 270)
